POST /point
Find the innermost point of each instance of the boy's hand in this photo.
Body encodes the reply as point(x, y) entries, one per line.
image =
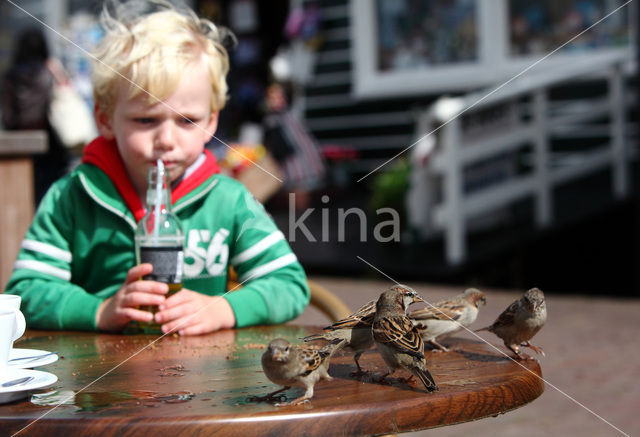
point(192, 313)
point(117, 311)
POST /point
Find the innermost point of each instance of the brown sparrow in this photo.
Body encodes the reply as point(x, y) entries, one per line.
point(397, 340)
point(296, 366)
point(355, 329)
point(448, 316)
point(520, 322)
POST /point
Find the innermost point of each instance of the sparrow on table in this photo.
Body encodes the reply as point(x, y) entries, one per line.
point(395, 337)
point(296, 366)
point(355, 329)
point(520, 322)
point(447, 317)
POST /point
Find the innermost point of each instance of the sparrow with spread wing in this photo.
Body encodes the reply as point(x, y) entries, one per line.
point(520, 322)
point(395, 337)
point(447, 317)
point(355, 329)
point(296, 366)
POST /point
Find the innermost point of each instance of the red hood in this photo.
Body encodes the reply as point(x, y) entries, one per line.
point(104, 154)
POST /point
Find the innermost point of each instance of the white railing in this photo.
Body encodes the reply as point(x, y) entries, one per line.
point(520, 120)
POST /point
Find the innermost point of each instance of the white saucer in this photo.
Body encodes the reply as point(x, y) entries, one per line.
point(41, 380)
point(30, 364)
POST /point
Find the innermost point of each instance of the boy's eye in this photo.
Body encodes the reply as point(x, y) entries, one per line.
point(187, 120)
point(144, 120)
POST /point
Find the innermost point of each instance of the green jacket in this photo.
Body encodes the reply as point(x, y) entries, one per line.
point(81, 244)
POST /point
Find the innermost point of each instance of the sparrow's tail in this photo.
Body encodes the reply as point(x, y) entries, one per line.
point(427, 379)
point(315, 337)
point(333, 346)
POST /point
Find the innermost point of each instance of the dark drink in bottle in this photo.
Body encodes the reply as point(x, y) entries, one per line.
point(159, 240)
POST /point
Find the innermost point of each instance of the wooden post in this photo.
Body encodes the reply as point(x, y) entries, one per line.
point(618, 140)
point(16, 192)
point(544, 208)
point(455, 234)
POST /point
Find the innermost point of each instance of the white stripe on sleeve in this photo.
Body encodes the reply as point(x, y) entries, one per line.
point(257, 248)
point(41, 267)
point(47, 249)
point(269, 267)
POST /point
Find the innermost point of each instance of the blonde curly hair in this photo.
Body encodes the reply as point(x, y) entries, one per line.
point(148, 51)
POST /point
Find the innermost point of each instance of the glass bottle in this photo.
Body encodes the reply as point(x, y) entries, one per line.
point(159, 240)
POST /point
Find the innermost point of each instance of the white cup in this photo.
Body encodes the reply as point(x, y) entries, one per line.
point(12, 325)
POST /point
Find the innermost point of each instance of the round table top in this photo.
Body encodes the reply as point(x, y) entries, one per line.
point(141, 385)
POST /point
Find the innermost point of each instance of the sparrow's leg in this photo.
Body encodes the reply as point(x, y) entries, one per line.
point(383, 377)
point(304, 398)
point(440, 347)
point(407, 380)
point(269, 397)
point(516, 350)
point(533, 348)
point(356, 357)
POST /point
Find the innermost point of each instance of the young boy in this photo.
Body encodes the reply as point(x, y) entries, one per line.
point(158, 86)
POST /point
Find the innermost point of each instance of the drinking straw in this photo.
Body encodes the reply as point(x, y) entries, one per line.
point(159, 180)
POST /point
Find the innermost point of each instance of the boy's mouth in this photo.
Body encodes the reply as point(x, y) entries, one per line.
point(166, 163)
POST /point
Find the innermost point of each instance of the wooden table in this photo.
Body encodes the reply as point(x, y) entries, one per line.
point(200, 386)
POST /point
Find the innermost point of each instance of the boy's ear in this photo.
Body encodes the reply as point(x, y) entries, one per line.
point(212, 125)
point(103, 122)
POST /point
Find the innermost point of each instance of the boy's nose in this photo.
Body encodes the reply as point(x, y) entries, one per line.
point(165, 137)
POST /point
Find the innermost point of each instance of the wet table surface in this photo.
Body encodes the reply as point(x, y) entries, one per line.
point(114, 385)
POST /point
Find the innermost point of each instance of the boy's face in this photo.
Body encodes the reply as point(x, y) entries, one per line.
point(145, 133)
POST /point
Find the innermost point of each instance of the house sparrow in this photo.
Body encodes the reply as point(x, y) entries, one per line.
point(520, 322)
point(447, 317)
point(296, 366)
point(355, 329)
point(397, 340)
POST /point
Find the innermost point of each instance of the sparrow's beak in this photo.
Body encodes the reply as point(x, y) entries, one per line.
point(417, 298)
point(276, 355)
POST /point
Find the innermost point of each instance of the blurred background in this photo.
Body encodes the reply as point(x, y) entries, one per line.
point(439, 143)
point(463, 142)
